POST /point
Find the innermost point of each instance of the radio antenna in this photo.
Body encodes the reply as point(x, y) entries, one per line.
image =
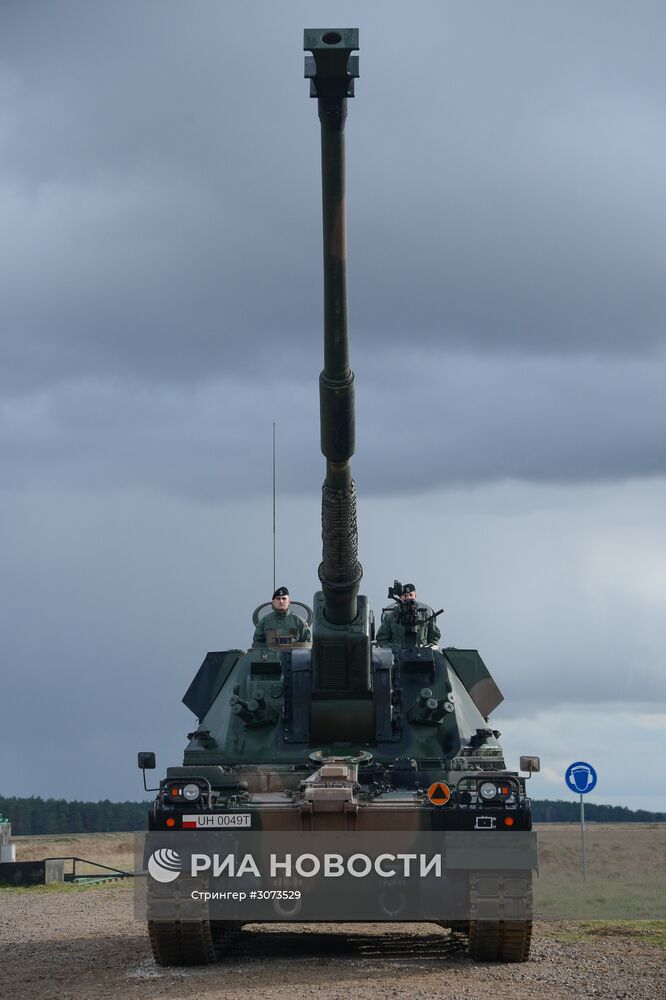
point(274, 585)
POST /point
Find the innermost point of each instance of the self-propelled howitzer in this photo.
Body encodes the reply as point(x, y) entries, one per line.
point(344, 736)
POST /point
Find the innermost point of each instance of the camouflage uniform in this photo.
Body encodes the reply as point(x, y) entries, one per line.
point(392, 632)
point(285, 623)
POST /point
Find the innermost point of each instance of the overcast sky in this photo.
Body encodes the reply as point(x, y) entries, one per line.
point(160, 306)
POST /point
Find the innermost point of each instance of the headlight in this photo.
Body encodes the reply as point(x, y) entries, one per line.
point(191, 792)
point(488, 790)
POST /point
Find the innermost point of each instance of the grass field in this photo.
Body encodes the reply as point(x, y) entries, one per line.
point(626, 872)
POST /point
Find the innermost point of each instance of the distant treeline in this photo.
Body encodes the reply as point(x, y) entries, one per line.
point(546, 811)
point(34, 816)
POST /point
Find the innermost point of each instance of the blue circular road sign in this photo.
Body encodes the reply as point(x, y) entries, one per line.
point(580, 777)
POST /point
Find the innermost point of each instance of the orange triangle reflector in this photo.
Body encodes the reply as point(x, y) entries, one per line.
point(439, 793)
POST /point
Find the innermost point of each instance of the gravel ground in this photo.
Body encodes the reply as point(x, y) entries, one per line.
point(85, 943)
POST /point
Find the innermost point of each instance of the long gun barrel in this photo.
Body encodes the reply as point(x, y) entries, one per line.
point(331, 69)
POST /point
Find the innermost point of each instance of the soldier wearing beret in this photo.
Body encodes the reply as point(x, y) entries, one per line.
point(281, 623)
point(392, 631)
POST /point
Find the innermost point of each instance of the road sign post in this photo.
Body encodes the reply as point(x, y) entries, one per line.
point(582, 837)
point(582, 778)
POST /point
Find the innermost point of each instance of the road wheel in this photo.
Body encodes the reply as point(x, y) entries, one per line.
point(182, 942)
point(496, 899)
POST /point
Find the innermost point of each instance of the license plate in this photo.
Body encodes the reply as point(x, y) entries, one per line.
point(213, 821)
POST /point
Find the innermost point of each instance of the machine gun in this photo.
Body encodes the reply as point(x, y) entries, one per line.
point(408, 611)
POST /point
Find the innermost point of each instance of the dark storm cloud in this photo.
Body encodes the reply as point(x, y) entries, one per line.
point(160, 199)
point(424, 420)
point(542, 419)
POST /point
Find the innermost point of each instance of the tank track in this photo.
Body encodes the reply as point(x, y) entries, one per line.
point(500, 928)
point(191, 942)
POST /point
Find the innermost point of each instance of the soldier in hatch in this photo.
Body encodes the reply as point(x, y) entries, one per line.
point(280, 624)
point(396, 628)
